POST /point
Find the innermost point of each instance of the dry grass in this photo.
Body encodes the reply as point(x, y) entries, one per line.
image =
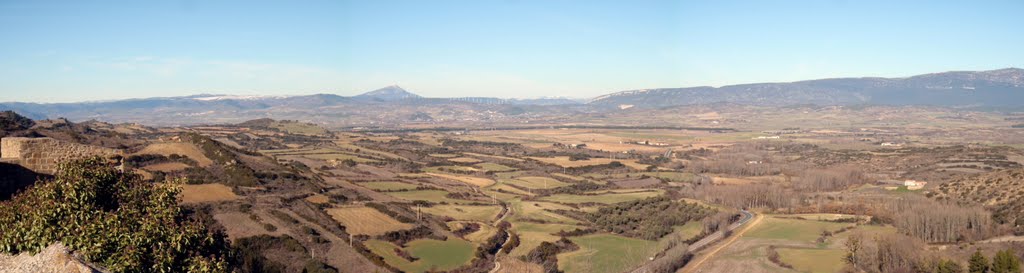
point(166, 167)
point(180, 148)
point(191, 194)
point(241, 225)
point(514, 265)
point(365, 220)
point(318, 199)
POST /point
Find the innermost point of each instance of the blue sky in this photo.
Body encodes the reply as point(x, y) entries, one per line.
point(58, 51)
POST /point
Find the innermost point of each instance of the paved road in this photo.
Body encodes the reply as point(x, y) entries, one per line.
point(694, 266)
point(711, 238)
point(707, 240)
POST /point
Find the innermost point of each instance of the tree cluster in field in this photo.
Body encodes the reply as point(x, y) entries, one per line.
point(249, 254)
point(402, 237)
point(467, 228)
point(513, 242)
point(899, 253)
point(747, 196)
point(648, 219)
point(937, 222)
point(1001, 191)
point(136, 161)
point(1005, 261)
point(111, 218)
point(575, 188)
point(546, 254)
point(486, 147)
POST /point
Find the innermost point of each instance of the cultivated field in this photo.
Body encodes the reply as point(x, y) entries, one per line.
point(366, 221)
point(179, 148)
point(431, 254)
point(605, 253)
point(204, 193)
point(483, 214)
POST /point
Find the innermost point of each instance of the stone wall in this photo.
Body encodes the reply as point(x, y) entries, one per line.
point(42, 154)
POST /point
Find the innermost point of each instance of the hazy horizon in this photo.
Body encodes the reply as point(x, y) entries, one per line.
point(70, 52)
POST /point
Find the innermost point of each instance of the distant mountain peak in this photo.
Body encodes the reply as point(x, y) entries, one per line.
point(391, 92)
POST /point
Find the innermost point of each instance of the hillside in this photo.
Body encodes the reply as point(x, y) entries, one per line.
point(393, 105)
point(995, 88)
point(390, 93)
point(1000, 191)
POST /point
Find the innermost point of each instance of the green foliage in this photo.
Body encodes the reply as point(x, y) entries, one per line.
point(649, 218)
point(978, 263)
point(1005, 262)
point(111, 218)
point(948, 266)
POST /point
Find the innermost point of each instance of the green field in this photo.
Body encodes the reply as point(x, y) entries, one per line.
point(606, 253)
point(813, 260)
point(500, 196)
point(532, 234)
point(804, 231)
point(539, 211)
point(508, 175)
point(494, 167)
point(436, 196)
point(604, 198)
point(443, 169)
point(689, 230)
point(508, 189)
point(388, 186)
point(363, 150)
point(534, 182)
point(432, 254)
point(484, 214)
point(300, 128)
point(796, 243)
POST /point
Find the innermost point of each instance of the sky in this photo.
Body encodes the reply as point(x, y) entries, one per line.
point(63, 51)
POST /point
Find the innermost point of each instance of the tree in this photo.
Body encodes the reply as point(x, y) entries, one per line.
point(853, 245)
point(1005, 262)
point(948, 266)
point(111, 218)
point(978, 263)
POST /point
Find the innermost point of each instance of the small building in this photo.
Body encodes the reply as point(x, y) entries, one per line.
point(577, 146)
point(914, 184)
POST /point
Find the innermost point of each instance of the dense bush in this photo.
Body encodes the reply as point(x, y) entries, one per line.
point(546, 254)
point(111, 218)
point(649, 218)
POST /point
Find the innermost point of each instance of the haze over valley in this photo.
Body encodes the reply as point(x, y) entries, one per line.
point(512, 137)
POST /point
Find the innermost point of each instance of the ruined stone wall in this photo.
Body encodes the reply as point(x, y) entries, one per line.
point(42, 154)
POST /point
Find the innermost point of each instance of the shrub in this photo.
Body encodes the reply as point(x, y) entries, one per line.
point(112, 218)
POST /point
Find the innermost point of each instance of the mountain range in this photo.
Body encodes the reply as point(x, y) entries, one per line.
point(994, 88)
point(1003, 88)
